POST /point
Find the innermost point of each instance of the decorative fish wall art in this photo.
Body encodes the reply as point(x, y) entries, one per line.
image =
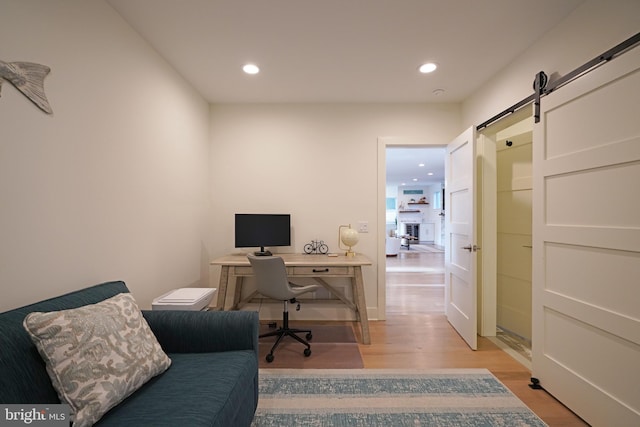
point(28, 78)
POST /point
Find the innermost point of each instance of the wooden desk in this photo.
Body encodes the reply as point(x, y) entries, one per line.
point(316, 267)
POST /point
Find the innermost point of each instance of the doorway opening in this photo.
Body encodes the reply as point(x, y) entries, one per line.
point(486, 276)
point(514, 187)
point(414, 230)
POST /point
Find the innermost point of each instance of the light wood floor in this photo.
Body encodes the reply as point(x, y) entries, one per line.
point(416, 334)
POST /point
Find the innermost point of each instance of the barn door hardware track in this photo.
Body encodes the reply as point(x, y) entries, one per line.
point(542, 87)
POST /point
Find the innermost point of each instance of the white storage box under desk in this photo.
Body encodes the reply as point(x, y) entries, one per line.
point(191, 299)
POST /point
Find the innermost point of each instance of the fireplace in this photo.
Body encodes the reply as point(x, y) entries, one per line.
point(412, 229)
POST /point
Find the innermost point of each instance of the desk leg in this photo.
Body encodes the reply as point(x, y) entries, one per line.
point(222, 287)
point(237, 292)
point(361, 312)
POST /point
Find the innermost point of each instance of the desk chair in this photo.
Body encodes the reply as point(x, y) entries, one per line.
point(272, 281)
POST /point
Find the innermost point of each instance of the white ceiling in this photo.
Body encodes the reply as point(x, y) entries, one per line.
point(340, 50)
point(403, 166)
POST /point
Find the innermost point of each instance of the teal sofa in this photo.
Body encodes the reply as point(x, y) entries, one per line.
point(212, 380)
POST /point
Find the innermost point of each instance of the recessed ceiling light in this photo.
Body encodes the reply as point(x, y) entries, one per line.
point(251, 69)
point(421, 165)
point(429, 67)
point(415, 179)
point(430, 173)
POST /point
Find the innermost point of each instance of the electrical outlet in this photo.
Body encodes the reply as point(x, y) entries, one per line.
point(363, 226)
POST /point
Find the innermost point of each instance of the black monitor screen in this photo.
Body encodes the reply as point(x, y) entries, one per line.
point(261, 230)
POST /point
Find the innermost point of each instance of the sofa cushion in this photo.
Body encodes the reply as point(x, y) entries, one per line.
point(200, 389)
point(97, 355)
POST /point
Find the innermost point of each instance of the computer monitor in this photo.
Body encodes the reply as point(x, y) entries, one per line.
point(262, 230)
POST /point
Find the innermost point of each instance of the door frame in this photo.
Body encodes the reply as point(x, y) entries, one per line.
point(487, 303)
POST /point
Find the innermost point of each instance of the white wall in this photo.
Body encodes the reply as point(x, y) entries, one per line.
point(317, 162)
point(593, 28)
point(113, 185)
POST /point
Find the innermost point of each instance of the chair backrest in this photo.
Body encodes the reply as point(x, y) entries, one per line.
point(271, 277)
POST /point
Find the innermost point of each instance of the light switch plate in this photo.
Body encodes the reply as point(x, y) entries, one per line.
point(363, 226)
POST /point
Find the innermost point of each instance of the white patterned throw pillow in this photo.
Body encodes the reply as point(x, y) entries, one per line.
point(97, 355)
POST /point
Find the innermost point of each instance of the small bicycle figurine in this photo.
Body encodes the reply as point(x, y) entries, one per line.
point(316, 247)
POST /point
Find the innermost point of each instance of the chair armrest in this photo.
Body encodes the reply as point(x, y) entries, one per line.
point(204, 331)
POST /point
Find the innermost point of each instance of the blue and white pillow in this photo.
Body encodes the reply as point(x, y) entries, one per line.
point(97, 355)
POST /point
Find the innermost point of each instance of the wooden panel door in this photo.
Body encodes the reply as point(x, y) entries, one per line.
point(461, 294)
point(586, 244)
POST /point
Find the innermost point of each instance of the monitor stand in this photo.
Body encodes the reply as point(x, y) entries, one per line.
point(262, 252)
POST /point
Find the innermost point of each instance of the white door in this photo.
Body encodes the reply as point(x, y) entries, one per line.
point(586, 244)
point(460, 231)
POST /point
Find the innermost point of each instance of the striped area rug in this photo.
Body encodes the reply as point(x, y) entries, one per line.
point(390, 398)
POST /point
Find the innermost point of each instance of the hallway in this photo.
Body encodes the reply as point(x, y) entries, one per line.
point(415, 283)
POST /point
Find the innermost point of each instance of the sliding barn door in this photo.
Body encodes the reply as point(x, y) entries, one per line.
point(461, 295)
point(586, 244)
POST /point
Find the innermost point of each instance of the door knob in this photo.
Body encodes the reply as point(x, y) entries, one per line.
point(471, 248)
